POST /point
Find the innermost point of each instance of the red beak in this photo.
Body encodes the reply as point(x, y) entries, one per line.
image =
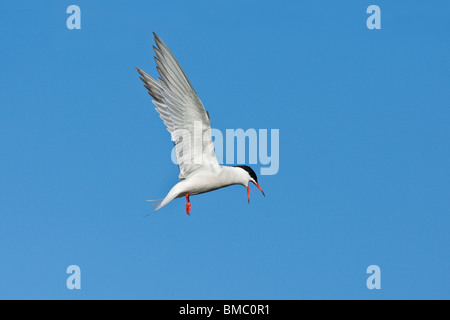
point(248, 190)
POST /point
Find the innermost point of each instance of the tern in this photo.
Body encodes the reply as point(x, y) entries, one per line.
point(189, 125)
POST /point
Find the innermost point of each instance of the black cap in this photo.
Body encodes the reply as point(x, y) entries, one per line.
point(250, 172)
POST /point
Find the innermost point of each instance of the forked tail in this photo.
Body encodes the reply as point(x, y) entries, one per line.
point(158, 204)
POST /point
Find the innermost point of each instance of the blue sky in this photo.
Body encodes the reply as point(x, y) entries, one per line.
point(364, 147)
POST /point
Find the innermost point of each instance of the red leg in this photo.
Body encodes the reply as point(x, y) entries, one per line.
point(188, 205)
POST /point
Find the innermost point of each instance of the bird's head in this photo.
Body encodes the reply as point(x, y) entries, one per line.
point(249, 176)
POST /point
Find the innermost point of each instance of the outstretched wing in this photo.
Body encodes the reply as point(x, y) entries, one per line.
point(182, 112)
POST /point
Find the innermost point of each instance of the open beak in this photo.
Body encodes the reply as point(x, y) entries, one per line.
point(248, 190)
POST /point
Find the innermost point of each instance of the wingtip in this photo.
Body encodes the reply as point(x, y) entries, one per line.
point(156, 37)
point(141, 73)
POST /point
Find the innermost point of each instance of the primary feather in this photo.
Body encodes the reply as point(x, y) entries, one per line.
point(181, 109)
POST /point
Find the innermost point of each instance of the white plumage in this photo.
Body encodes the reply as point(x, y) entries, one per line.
point(189, 125)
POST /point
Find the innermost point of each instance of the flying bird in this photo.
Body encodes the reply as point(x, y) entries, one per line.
point(189, 125)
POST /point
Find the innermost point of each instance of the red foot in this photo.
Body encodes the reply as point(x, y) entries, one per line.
point(188, 205)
